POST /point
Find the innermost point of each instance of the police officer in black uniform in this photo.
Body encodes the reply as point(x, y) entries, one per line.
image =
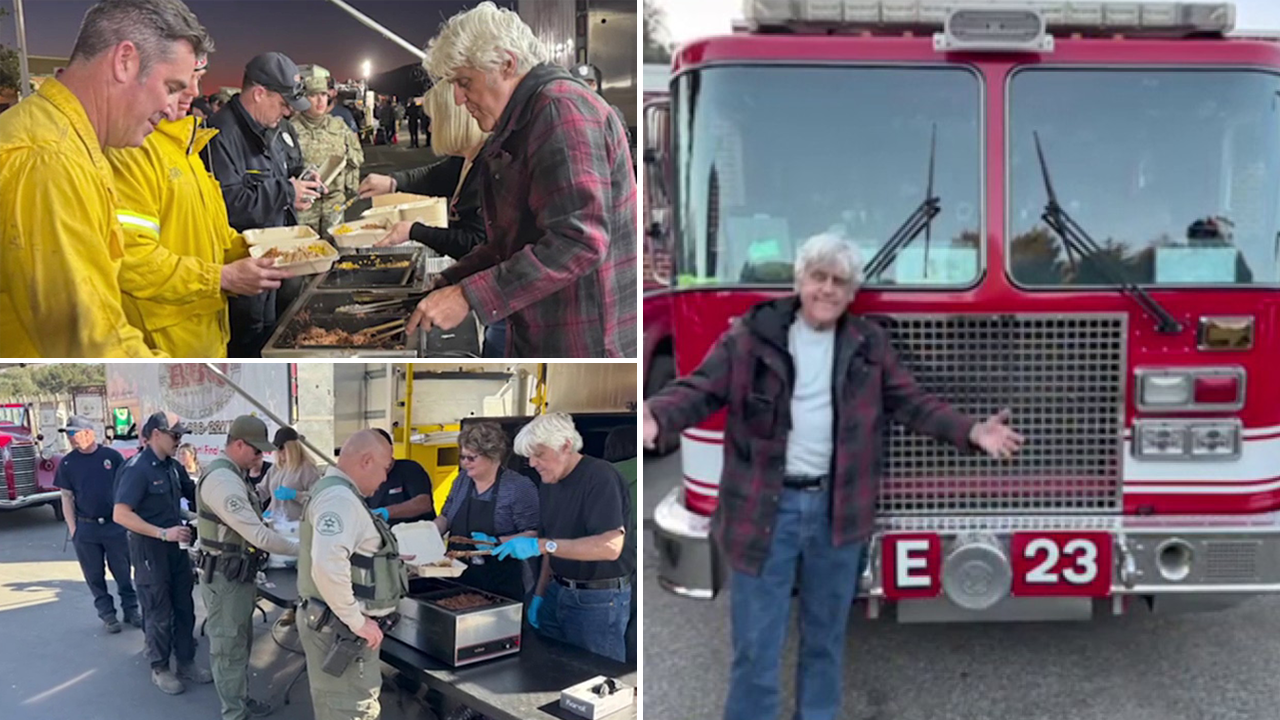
point(148, 503)
point(406, 495)
point(87, 480)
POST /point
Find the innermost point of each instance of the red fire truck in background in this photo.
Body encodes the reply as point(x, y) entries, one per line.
point(28, 470)
point(1068, 209)
point(659, 347)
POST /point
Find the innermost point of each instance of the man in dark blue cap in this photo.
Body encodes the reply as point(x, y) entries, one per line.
point(250, 158)
point(149, 491)
point(87, 478)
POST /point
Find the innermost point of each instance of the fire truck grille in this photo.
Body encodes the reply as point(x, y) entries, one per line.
point(24, 468)
point(1063, 376)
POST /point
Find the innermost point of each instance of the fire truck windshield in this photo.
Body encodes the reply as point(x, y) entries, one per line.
point(1175, 173)
point(768, 156)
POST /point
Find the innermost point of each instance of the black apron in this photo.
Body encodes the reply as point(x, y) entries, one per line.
point(500, 577)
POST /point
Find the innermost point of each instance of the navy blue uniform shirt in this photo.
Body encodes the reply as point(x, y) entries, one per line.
point(406, 481)
point(91, 478)
point(153, 488)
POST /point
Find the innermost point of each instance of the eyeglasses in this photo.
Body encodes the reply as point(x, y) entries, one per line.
point(469, 458)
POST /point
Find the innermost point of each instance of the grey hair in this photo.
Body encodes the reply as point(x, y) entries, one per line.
point(552, 431)
point(485, 438)
point(827, 250)
point(480, 38)
point(151, 25)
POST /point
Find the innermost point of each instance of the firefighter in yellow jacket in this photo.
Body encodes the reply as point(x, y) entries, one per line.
point(181, 257)
point(60, 242)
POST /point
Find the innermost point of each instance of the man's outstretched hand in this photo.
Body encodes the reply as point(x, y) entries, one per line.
point(996, 437)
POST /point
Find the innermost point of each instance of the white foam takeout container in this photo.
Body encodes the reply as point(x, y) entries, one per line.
point(422, 540)
point(359, 237)
point(305, 267)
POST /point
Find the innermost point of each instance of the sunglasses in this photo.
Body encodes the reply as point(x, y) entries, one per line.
point(469, 458)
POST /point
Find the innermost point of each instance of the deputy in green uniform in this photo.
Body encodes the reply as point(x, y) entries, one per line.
point(232, 540)
point(350, 575)
point(322, 136)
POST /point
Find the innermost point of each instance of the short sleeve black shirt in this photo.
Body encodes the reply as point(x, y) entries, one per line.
point(588, 501)
point(153, 488)
point(91, 478)
point(406, 481)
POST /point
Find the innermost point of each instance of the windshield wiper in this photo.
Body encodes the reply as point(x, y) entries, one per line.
point(1074, 238)
point(920, 220)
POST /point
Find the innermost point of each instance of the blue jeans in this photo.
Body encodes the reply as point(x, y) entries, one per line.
point(495, 340)
point(760, 610)
point(594, 620)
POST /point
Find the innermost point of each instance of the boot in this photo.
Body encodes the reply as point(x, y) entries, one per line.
point(258, 708)
point(113, 625)
point(168, 683)
point(194, 673)
point(133, 618)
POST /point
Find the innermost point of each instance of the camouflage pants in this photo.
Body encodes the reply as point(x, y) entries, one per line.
point(322, 214)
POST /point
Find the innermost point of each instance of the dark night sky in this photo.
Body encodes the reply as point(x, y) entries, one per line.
point(309, 31)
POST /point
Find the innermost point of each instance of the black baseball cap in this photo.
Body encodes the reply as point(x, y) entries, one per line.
point(276, 72)
point(165, 422)
point(284, 435)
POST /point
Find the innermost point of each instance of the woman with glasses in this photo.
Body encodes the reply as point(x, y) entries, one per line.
point(489, 503)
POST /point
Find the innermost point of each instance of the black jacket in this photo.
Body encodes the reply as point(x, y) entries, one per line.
point(251, 164)
point(466, 220)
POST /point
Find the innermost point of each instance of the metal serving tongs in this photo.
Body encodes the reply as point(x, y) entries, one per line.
point(384, 331)
point(360, 308)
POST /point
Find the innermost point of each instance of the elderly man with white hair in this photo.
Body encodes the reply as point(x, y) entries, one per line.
point(583, 595)
point(807, 385)
point(558, 193)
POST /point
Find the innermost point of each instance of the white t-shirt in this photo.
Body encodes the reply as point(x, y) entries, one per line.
point(809, 446)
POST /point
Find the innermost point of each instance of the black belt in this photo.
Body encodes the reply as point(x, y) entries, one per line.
point(96, 520)
point(619, 583)
point(805, 482)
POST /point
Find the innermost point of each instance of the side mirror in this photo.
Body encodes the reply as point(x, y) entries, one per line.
point(40, 437)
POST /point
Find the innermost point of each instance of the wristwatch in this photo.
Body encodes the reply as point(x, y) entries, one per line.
point(163, 533)
point(551, 547)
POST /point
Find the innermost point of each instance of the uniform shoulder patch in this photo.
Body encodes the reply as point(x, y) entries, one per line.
point(329, 523)
point(235, 504)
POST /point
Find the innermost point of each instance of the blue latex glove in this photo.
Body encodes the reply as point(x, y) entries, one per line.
point(533, 610)
point(520, 548)
point(382, 513)
point(484, 538)
point(266, 515)
point(284, 493)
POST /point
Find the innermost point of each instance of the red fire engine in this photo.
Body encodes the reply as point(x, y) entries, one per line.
point(1068, 209)
point(28, 471)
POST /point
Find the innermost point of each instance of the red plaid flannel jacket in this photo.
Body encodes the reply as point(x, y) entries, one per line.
point(750, 372)
point(559, 202)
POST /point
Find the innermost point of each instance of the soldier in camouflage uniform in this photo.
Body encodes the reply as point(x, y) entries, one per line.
point(322, 136)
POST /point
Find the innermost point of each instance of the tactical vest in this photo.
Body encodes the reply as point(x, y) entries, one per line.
point(216, 537)
point(379, 580)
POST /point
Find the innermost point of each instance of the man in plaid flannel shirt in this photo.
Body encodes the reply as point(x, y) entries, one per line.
point(558, 194)
point(806, 385)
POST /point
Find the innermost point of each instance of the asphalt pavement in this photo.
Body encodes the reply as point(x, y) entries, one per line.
point(1142, 666)
point(57, 662)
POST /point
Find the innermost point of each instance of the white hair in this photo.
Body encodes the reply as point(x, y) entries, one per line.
point(552, 431)
point(480, 38)
point(453, 130)
point(829, 250)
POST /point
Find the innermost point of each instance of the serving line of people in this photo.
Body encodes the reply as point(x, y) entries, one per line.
point(350, 570)
point(145, 209)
